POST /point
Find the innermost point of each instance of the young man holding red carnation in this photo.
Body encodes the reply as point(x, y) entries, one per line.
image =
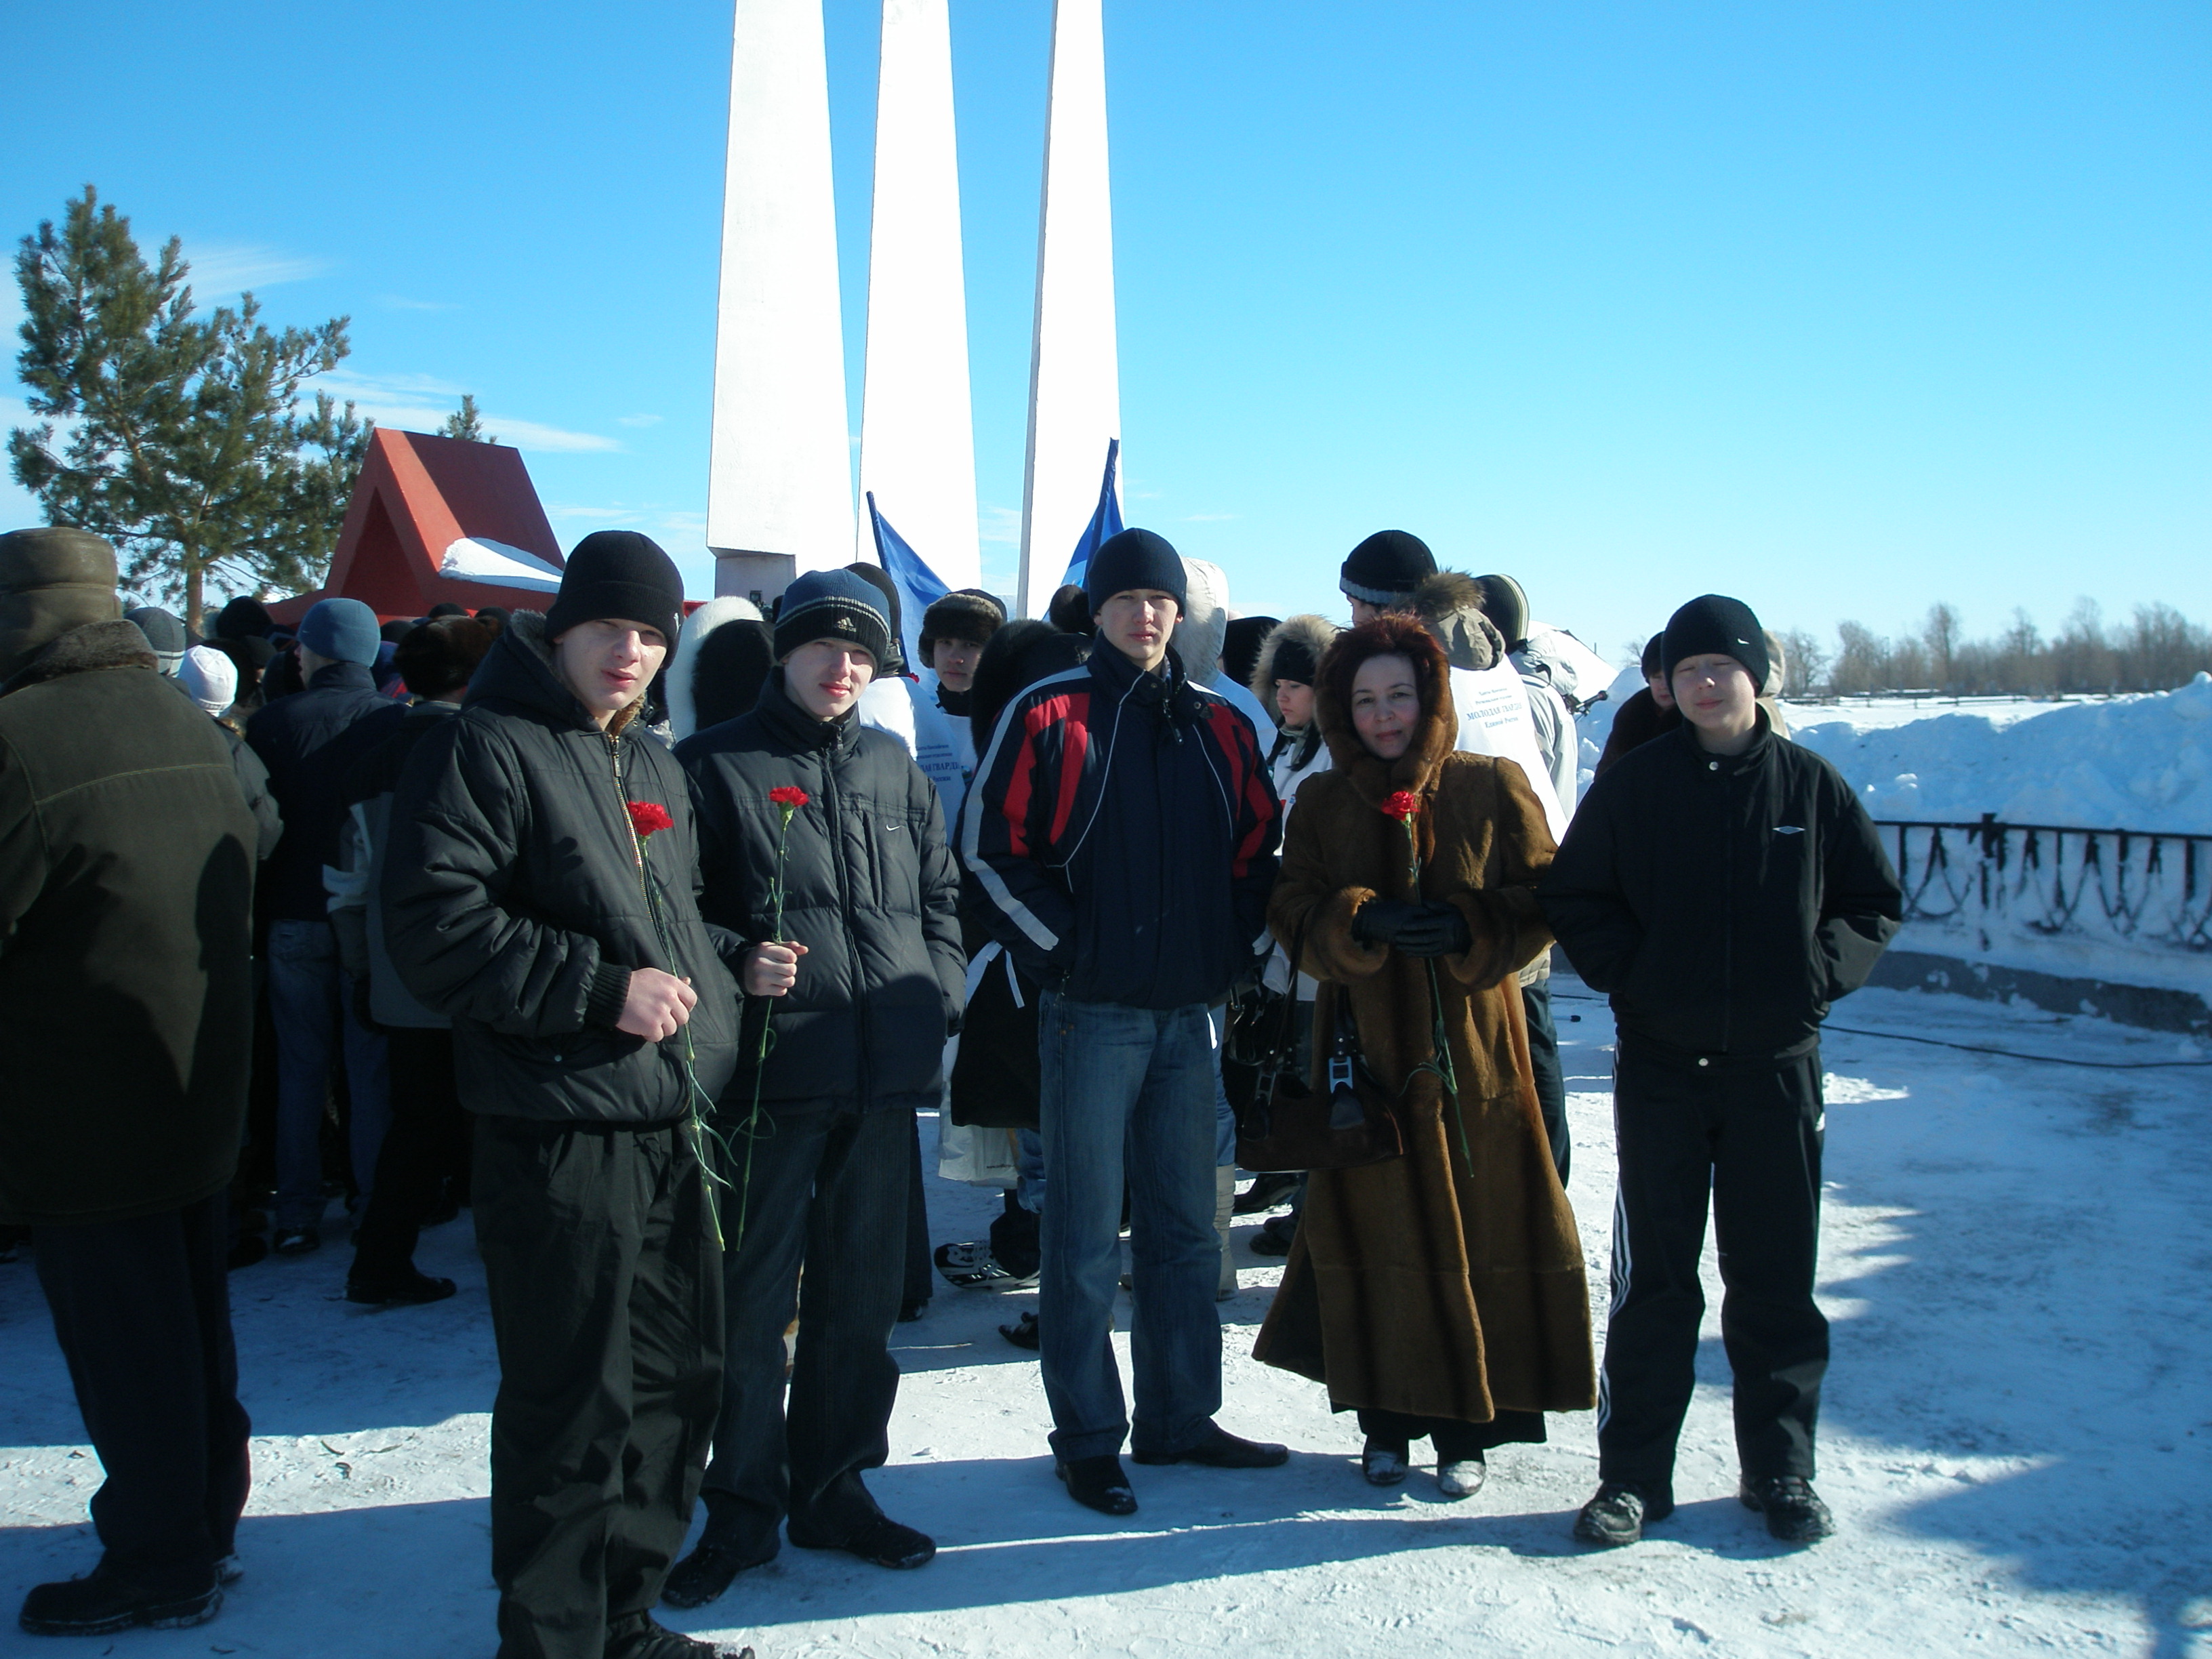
point(539, 891)
point(822, 845)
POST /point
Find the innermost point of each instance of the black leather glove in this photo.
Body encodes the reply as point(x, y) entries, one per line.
point(1381, 921)
point(1435, 929)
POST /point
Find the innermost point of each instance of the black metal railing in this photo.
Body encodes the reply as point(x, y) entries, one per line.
point(2148, 887)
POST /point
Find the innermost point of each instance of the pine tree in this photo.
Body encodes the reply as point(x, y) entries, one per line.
point(183, 439)
point(466, 423)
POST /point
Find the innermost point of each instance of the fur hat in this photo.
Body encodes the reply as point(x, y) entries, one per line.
point(720, 664)
point(965, 613)
point(1388, 635)
point(1293, 651)
point(1385, 568)
point(1069, 610)
point(1020, 655)
point(52, 581)
point(438, 657)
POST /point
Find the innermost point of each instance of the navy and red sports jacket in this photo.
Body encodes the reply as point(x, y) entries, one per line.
point(1119, 837)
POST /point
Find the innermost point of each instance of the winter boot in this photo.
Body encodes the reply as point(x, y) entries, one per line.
point(110, 1599)
point(1794, 1512)
point(1225, 1201)
point(1461, 1477)
point(1617, 1514)
point(1383, 1462)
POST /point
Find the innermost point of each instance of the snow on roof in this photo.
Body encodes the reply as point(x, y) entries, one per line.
point(480, 559)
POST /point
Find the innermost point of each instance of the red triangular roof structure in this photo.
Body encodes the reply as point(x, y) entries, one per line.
point(424, 506)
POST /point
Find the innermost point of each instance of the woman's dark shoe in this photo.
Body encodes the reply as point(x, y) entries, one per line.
point(883, 1543)
point(1218, 1448)
point(1097, 1483)
point(1794, 1512)
point(1618, 1513)
point(704, 1574)
point(108, 1602)
point(405, 1290)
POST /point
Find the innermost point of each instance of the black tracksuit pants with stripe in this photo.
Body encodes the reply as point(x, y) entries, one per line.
point(1744, 1135)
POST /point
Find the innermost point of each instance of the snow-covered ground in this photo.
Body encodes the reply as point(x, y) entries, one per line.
point(2018, 1436)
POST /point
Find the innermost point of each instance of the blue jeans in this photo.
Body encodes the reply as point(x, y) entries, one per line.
point(1127, 1095)
point(311, 1000)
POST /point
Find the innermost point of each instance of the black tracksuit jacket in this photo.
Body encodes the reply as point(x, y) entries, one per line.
point(1721, 902)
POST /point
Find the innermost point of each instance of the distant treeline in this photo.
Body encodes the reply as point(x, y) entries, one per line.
point(2158, 649)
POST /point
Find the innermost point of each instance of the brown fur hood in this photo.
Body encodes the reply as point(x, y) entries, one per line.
point(1450, 603)
point(1315, 633)
point(1391, 634)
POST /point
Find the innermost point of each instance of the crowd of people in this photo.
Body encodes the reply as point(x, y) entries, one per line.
point(647, 936)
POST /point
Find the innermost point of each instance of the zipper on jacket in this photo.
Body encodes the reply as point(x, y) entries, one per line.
point(1727, 908)
point(836, 825)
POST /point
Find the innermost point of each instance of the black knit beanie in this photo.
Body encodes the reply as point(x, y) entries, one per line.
point(968, 614)
point(1712, 625)
point(1135, 561)
point(618, 576)
point(1385, 567)
point(1654, 655)
point(243, 619)
point(834, 604)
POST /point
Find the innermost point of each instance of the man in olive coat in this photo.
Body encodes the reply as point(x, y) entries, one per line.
point(126, 1016)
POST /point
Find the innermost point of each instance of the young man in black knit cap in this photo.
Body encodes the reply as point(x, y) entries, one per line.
point(1724, 886)
point(863, 982)
point(539, 891)
point(1120, 839)
point(1381, 574)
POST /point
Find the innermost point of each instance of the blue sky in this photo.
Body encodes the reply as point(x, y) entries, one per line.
point(1843, 309)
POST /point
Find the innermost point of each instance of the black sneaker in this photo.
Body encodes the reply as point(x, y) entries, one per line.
point(1618, 1514)
point(703, 1574)
point(973, 1267)
point(638, 1637)
point(883, 1543)
point(407, 1290)
point(1097, 1483)
point(1218, 1448)
point(1794, 1512)
point(108, 1602)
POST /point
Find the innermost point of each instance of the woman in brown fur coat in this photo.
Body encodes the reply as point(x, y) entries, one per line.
point(1441, 1294)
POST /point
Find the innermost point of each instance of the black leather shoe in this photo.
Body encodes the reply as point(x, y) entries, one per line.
point(407, 1290)
point(1618, 1513)
point(1023, 1333)
point(704, 1574)
point(1218, 1448)
point(108, 1602)
point(1794, 1512)
point(1098, 1483)
point(883, 1543)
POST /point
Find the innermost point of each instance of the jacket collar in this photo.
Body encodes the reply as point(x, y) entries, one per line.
point(116, 644)
point(1762, 744)
point(346, 676)
point(790, 724)
point(1166, 692)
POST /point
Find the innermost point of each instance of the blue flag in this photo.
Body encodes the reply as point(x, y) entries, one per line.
point(1105, 521)
point(919, 586)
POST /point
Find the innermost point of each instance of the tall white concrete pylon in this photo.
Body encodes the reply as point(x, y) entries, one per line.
point(917, 429)
point(780, 482)
point(1075, 395)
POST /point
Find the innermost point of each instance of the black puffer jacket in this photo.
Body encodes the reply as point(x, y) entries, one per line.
point(871, 891)
point(310, 741)
point(515, 902)
point(127, 986)
point(1723, 901)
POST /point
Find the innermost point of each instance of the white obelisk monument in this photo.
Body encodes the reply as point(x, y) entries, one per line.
point(1075, 397)
point(779, 480)
point(917, 429)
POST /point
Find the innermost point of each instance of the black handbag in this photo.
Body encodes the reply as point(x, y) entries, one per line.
point(1287, 1126)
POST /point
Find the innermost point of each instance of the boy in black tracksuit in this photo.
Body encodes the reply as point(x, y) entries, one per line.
point(1724, 886)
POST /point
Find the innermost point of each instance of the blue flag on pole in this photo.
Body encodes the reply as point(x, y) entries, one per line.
point(919, 586)
point(1105, 520)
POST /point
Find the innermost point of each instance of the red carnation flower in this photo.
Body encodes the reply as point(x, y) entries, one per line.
point(647, 815)
point(789, 794)
point(1403, 804)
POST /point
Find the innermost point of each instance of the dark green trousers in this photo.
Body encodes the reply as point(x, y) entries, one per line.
point(606, 1301)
